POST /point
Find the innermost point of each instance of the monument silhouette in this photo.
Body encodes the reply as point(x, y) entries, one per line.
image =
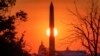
point(51, 38)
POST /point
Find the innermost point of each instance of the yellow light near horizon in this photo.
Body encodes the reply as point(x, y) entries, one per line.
point(55, 32)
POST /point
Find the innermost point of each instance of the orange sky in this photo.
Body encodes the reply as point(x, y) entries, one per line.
point(38, 22)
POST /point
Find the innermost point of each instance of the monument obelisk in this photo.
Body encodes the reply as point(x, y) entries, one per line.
point(51, 38)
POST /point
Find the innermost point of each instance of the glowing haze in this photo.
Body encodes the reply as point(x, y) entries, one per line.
point(38, 22)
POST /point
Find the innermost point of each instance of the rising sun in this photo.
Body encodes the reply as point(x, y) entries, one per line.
point(48, 32)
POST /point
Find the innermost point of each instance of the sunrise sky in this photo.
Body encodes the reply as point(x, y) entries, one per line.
point(38, 22)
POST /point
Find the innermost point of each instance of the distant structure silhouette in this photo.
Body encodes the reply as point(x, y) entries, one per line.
point(51, 38)
point(42, 50)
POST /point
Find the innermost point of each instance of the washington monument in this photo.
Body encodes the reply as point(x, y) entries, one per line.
point(51, 38)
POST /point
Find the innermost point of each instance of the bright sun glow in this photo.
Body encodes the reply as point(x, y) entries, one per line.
point(55, 32)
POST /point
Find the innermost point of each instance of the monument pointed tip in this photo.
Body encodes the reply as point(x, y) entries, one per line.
point(51, 4)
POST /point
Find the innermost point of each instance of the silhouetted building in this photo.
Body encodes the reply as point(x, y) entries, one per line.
point(51, 38)
point(70, 53)
point(42, 50)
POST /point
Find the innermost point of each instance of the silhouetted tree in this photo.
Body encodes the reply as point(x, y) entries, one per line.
point(88, 27)
point(9, 44)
